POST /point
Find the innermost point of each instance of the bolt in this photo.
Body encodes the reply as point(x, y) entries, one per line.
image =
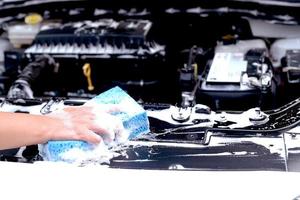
point(257, 111)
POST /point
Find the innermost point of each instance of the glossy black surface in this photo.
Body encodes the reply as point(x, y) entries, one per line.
point(223, 153)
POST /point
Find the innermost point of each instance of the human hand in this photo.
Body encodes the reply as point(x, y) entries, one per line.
point(91, 124)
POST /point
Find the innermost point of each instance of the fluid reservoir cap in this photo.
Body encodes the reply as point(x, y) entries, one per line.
point(33, 18)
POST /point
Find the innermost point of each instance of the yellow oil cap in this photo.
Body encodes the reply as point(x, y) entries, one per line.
point(33, 18)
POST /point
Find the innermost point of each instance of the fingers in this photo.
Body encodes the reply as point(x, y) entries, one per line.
point(60, 130)
point(106, 133)
point(91, 124)
point(110, 128)
point(90, 136)
point(121, 135)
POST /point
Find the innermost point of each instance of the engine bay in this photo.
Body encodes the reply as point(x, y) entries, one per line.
point(206, 66)
point(172, 57)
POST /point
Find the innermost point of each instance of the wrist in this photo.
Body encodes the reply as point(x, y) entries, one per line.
point(49, 128)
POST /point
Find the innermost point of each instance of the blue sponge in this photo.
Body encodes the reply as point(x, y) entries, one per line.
point(135, 121)
point(54, 150)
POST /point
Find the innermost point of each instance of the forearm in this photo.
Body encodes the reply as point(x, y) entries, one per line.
point(71, 123)
point(18, 129)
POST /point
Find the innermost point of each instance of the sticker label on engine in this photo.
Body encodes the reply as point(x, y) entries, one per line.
point(227, 68)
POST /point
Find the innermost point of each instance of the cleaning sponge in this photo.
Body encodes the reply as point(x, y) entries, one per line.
point(132, 115)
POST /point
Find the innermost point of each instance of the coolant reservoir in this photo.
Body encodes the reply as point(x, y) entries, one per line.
point(24, 34)
point(279, 48)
